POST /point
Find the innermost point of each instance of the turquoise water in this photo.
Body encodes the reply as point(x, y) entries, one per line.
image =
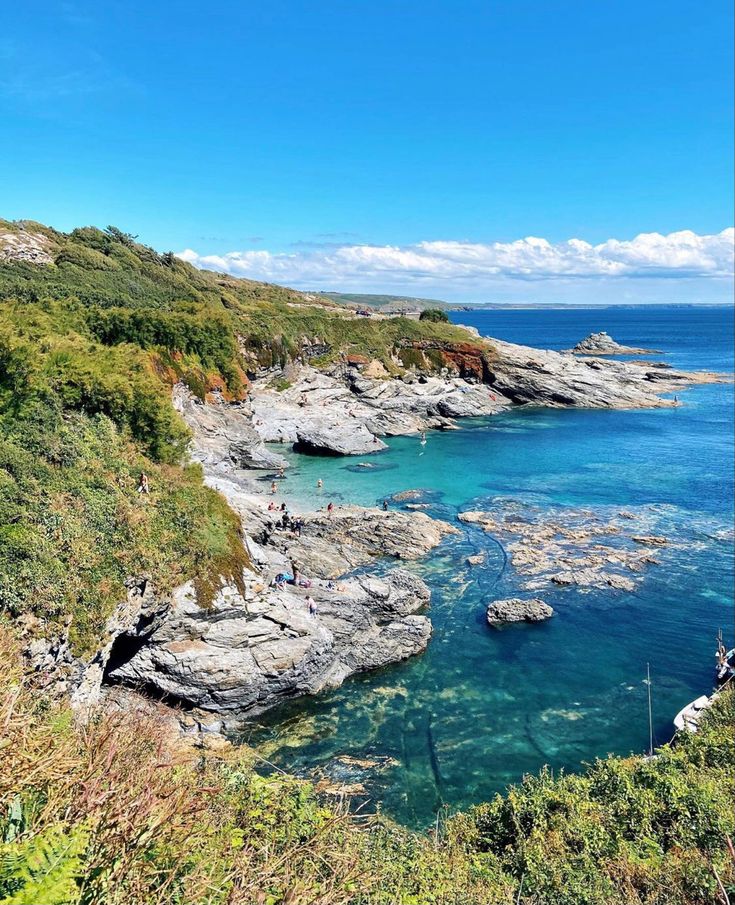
point(481, 707)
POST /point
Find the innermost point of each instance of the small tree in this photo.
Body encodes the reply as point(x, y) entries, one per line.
point(435, 315)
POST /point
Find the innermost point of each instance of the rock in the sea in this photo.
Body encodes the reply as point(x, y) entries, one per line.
point(650, 540)
point(603, 344)
point(337, 440)
point(514, 609)
point(239, 657)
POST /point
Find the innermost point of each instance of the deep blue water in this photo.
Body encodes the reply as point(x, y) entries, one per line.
point(481, 707)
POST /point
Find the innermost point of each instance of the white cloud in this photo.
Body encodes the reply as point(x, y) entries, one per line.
point(477, 266)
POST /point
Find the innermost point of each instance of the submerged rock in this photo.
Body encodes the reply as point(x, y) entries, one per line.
point(569, 547)
point(514, 609)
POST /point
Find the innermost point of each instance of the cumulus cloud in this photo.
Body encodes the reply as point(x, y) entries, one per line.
point(683, 254)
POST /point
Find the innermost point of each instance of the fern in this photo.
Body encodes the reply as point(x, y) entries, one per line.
point(43, 869)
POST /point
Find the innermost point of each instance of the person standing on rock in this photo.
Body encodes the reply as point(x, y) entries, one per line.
point(330, 509)
point(385, 505)
point(311, 604)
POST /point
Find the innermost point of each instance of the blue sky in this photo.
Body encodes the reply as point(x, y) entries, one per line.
point(295, 140)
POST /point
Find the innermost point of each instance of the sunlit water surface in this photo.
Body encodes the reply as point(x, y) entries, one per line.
point(482, 707)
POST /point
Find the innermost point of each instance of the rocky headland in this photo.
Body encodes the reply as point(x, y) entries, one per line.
point(345, 411)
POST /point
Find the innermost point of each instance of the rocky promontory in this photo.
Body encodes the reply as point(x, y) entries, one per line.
point(241, 656)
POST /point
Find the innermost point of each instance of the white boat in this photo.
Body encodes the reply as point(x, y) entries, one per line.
point(726, 666)
point(687, 719)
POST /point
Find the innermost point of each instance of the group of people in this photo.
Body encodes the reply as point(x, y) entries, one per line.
point(285, 521)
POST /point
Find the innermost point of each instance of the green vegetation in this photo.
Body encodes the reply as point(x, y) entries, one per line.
point(435, 315)
point(124, 813)
point(119, 811)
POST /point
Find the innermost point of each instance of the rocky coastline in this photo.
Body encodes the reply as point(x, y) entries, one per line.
point(302, 619)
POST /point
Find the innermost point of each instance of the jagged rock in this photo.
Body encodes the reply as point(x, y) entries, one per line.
point(651, 540)
point(514, 609)
point(476, 559)
point(224, 433)
point(529, 376)
point(603, 344)
point(241, 657)
point(26, 246)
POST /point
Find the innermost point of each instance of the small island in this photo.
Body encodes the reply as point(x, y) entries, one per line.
point(603, 344)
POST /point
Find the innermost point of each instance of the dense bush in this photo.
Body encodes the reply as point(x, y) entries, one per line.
point(73, 528)
point(435, 315)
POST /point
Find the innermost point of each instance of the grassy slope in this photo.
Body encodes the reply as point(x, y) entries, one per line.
point(121, 814)
point(88, 349)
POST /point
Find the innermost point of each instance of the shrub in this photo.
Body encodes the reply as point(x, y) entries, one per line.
point(435, 315)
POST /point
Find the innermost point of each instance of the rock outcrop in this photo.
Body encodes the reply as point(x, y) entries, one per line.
point(223, 433)
point(515, 609)
point(529, 376)
point(345, 411)
point(240, 657)
point(336, 440)
point(328, 546)
point(26, 246)
point(603, 344)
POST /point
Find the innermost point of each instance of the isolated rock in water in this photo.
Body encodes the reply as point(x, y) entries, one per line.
point(603, 344)
point(476, 559)
point(239, 657)
point(514, 609)
point(337, 440)
point(651, 540)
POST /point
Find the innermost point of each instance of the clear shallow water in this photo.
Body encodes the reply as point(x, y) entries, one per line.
point(481, 706)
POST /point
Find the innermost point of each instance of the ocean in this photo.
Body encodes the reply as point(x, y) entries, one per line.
point(482, 707)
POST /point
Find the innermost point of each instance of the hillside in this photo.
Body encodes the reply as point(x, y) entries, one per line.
point(95, 329)
point(386, 304)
